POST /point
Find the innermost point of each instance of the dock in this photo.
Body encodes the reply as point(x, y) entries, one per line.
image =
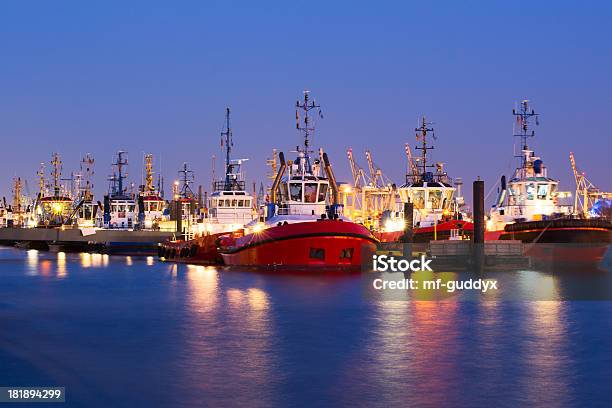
point(115, 241)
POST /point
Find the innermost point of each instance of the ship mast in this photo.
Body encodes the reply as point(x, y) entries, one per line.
point(17, 199)
point(227, 134)
point(523, 118)
point(306, 126)
point(118, 179)
point(149, 173)
point(41, 180)
point(87, 170)
point(56, 173)
point(421, 135)
point(186, 176)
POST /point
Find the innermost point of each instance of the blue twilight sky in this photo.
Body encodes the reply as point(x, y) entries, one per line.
point(149, 76)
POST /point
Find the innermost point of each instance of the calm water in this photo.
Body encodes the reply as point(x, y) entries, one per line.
point(135, 332)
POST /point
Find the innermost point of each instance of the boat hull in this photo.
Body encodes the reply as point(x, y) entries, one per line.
point(565, 242)
point(202, 250)
point(441, 232)
point(313, 245)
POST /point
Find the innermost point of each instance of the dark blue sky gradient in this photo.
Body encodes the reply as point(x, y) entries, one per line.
point(155, 77)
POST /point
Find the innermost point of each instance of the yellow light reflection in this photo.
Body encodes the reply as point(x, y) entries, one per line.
point(258, 299)
point(547, 322)
point(61, 265)
point(128, 261)
point(150, 260)
point(235, 297)
point(86, 259)
point(32, 262)
point(203, 282)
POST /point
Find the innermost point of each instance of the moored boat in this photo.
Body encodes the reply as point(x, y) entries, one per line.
point(528, 209)
point(430, 204)
point(303, 225)
point(228, 209)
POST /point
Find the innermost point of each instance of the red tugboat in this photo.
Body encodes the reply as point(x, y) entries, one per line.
point(303, 225)
point(527, 209)
point(229, 207)
point(429, 198)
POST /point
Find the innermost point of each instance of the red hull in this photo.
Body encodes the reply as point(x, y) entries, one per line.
point(201, 250)
point(567, 256)
point(441, 232)
point(322, 244)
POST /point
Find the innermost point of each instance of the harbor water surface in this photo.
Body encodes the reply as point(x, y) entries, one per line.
point(128, 331)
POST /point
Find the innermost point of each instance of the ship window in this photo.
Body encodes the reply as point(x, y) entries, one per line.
point(322, 191)
point(284, 196)
point(234, 203)
point(530, 191)
point(131, 208)
point(418, 198)
point(295, 189)
point(542, 191)
point(310, 192)
point(220, 203)
point(241, 203)
point(228, 203)
point(317, 253)
point(346, 253)
point(448, 197)
point(435, 198)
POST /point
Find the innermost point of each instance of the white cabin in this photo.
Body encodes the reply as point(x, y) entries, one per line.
point(122, 213)
point(530, 196)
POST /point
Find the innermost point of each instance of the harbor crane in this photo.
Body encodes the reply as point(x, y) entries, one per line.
point(370, 194)
point(586, 193)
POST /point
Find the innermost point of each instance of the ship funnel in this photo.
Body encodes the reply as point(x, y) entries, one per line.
point(332, 179)
point(279, 176)
point(502, 192)
point(537, 166)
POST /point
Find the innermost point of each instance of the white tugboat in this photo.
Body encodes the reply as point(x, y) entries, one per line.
point(119, 205)
point(528, 207)
point(151, 206)
point(228, 209)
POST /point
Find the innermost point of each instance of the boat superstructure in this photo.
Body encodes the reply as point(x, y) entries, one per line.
point(228, 208)
point(54, 203)
point(530, 194)
point(119, 204)
point(86, 210)
point(436, 206)
point(528, 209)
point(152, 209)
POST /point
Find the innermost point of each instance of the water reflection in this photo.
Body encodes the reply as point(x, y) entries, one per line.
point(538, 285)
point(61, 265)
point(203, 286)
point(241, 316)
point(550, 371)
point(32, 262)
